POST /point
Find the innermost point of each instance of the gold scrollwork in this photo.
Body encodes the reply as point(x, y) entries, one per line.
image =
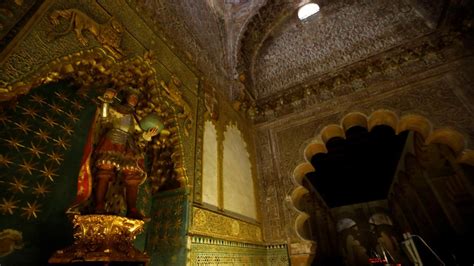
point(215, 225)
point(102, 238)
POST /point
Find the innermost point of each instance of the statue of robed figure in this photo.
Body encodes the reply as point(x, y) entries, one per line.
point(116, 149)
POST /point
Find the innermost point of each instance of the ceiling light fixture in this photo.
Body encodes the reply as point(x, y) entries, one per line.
point(307, 10)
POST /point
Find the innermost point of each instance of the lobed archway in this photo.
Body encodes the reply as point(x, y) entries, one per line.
point(454, 139)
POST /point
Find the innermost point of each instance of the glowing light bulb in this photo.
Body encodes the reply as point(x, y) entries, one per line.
point(308, 10)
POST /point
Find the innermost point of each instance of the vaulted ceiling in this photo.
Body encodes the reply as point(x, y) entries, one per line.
point(207, 32)
point(263, 45)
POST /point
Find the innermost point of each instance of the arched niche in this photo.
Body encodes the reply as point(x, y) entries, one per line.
point(210, 186)
point(238, 180)
point(95, 70)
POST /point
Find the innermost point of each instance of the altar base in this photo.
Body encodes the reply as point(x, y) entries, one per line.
point(105, 239)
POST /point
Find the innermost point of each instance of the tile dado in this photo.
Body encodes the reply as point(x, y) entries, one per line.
point(211, 251)
point(208, 223)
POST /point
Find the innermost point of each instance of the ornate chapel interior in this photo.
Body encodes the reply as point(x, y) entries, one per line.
point(345, 137)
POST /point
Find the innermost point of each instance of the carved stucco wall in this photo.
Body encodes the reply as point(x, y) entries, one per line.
point(374, 75)
point(443, 94)
point(13, 14)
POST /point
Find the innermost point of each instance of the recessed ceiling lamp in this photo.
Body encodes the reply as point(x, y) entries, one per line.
point(307, 10)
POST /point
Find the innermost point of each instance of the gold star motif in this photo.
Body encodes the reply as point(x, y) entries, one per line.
point(31, 210)
point(60, 142)
point(18, 185)
point(38, 99)
point(53, 156)
point(40, 190)
point(14, 142)
point(56, 108)
point(49, 173)
point(27, 167)
point(72, 116)
point(49, 120)
point(5, 161)
point(8, 205)
point(77, 105)
point(61, 96)
point(30, 111)
point(35, 150)
point(68, 129)
point(23, 126)
point(4, 119)
point(43, 135)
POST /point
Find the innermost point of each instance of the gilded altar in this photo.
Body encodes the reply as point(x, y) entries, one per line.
point(102, 238)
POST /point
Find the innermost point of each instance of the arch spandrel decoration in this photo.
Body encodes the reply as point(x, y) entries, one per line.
point(96, 69)
point(420, 124)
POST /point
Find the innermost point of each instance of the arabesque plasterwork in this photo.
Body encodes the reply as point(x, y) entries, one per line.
point(208, 223)
point(345, 32)
point(362, 77)
point(439, 93)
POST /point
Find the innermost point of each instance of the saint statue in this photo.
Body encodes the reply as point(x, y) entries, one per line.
point(118, 152)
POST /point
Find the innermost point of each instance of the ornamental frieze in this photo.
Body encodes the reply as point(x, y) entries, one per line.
point(211, 224)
